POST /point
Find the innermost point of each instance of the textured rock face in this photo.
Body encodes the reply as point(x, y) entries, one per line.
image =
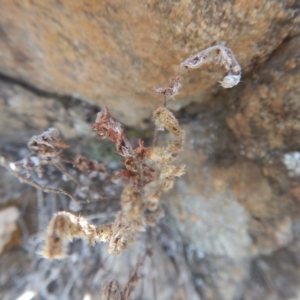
point(114, 53)
point(24, 113)
point(267, 115)
point(240, 196)
point(265, 121)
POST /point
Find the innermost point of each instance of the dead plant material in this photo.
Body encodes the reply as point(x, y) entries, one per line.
point(222, 55)
point(147, 173)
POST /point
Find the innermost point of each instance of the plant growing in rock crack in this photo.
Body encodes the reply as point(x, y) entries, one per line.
point(147, 173)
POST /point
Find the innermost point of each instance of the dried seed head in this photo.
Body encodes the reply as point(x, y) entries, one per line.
point(63, 228)
point(175, 146)
point(129, 195)
point(151, 196)
point(165, 119)
point(167, 184)
point(88, 166)
point(48, 145)
point(224, 57)
point(172, 90)
point(54, 248)
point(107, 128)
point(119, 239)
point(179, 171)
point(152, 200)
point(159, 155)
point(104, 233)
point(172, 171)
point(132, 207)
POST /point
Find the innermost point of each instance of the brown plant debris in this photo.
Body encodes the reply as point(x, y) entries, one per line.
point(222, 55)
point(90, 167)
point(111, 289)
point(48, 145)
point(149, 171)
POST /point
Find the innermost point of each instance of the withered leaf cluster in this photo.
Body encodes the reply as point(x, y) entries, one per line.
point(137, 170)
point(48, 145)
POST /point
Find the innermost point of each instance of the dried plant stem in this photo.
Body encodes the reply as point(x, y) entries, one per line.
point(5, 164)
point(155, 136)
point(134, 277)
point(175, 245)
point(149, 171)
point(62, 168)
point(65, 227)
point(222, 55)
point(111, 290)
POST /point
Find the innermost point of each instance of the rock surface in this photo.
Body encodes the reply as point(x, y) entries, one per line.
point(25, 112)
point(238, 204)
point(266, 117)
point(114, 53)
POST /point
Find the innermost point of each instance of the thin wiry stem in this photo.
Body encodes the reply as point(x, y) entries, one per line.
point(5, 164)
point(62, 168)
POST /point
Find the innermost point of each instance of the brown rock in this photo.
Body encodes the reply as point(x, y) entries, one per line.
point(267, 115)
point(114, 53)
